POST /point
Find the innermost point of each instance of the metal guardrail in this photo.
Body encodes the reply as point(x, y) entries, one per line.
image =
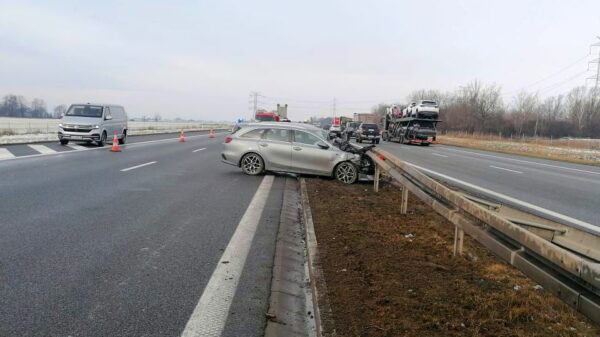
point(565, 262)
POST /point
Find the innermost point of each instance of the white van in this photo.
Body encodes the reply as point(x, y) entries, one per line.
point(93, 123)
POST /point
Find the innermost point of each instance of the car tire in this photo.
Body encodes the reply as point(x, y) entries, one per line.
point(358, 140)
point(102, 140)
point(123, 139)
point(252, 164)
point(64, 141)
point(376, 141)
point(346, 172)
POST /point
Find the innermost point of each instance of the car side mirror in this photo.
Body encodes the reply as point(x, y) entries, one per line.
point(107, 118)
point(323, 145)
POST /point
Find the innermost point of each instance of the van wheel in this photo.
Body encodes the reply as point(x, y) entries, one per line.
point(123, 139)
point(64, 141)
point(102, 140)
point(346, 172)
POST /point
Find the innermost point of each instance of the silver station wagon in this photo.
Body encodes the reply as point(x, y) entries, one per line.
point(288, 147)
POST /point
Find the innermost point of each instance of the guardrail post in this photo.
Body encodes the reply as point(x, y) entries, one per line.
point(404, 202)
point(376, 179)
point(459, 238)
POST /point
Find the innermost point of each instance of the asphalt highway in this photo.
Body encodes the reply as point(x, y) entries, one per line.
point(570, 190)
point(95, 243)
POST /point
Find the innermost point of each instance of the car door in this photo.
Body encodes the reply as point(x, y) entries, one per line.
point(308, 157)
point(108, 123)
point(275, 147)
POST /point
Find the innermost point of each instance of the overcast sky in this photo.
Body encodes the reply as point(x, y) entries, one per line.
point(200, 59)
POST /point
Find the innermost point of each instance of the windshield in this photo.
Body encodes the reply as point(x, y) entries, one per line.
point(94, 111)
point(265, 118)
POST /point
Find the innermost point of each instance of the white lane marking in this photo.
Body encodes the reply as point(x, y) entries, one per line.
point(42, 148)
point(525, 161)
point(77, 147)
point(439, 155)
point(137, 166)
point(199, 150)
point(210, 314)
point(505, 169)
point(5, 154)
point(582, 224)
point(100, 148)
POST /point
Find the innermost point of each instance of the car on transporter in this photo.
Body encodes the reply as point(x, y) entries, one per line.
point(289, 147)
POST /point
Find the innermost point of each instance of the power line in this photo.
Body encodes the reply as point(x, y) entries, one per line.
point(559, 84)
point(549, 76)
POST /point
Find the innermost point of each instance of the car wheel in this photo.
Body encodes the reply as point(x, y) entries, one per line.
point(64, 141)
point(346, 172)
point(252, 164)
point(102, 140)
point(122, 140)
point(376, 141)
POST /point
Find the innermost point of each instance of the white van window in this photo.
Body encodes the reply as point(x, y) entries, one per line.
point(107, 112)
point(94, 111)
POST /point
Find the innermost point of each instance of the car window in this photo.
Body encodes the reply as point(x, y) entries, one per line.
point(369, 126)
point(107, 112)
point(254, 134)
point(280, 135)
point(305, 138)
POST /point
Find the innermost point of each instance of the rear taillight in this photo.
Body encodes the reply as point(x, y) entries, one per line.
point(228, 139)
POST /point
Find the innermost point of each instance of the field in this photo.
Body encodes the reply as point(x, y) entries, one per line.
point(582, 151)
point(389, 274)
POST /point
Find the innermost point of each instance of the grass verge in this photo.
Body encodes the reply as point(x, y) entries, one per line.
point(389, 274)
point(567, 154)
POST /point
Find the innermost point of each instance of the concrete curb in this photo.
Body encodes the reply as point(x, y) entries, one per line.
point(322, 309)
point(290, 303)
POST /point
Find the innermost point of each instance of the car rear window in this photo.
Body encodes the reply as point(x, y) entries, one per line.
point(254, 134)
point(429, 103)
point(280, 135)
point(369, 126)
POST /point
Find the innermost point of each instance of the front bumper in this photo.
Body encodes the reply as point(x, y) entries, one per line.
point(79, 136)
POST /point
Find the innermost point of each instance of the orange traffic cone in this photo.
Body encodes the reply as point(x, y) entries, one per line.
point(115, 146)
point(211, 133)
point(182, 137)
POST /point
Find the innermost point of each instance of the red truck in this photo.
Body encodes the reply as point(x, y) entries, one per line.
point(264, 116)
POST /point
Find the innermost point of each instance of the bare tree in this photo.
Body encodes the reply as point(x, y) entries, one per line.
point(576, 107)
point(14, 106)
point(59, 110)
point(38, 108)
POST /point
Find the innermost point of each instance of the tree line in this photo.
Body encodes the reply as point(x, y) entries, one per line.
point(482, 108)
point(17, 106)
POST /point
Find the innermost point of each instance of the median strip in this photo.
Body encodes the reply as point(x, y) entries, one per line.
point(5, 154)
point(41, 148)
point(137, 166)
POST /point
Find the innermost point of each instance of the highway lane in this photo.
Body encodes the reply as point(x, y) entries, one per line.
point(91, 250)
point(569, 189)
